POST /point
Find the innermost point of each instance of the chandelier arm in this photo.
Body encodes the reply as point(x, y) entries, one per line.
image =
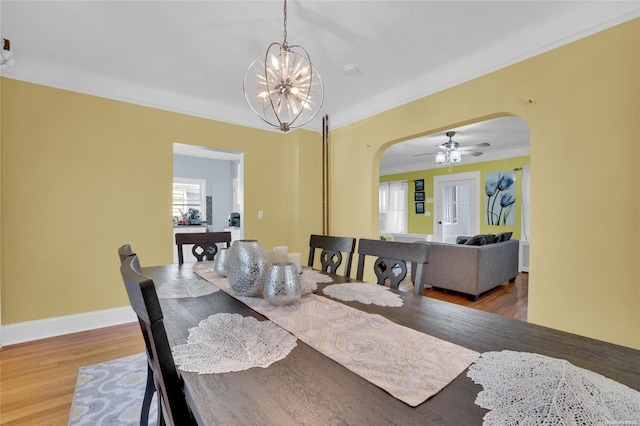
point(269, 90)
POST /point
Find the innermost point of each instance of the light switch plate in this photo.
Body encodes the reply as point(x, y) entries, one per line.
point(260, 214)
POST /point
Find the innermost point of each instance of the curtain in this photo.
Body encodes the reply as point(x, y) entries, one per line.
point(393, 207)
point(526, 202)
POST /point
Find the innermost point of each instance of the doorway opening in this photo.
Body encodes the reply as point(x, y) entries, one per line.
point(456, 200)
point(208, 190)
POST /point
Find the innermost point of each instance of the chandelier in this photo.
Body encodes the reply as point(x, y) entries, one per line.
point(6, 56)
point(452, 153)
point(282, 86)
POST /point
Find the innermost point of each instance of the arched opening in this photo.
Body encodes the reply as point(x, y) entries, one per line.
point(449, 178)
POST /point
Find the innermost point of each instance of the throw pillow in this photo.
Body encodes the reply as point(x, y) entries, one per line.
point(506, 236)
point(462, 240)
point(476, 240)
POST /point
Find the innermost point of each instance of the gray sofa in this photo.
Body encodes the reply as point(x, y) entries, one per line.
point(471, 269)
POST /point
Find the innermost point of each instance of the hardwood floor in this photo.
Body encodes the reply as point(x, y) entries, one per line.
point(37, 379)
point(507, 300)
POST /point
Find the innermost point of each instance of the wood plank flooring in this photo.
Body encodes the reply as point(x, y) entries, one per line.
point(37, 379)
point(507, 300)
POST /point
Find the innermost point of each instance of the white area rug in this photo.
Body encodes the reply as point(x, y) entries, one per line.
point(110, 393)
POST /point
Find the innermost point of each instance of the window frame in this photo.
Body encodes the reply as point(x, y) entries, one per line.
point(202, 183)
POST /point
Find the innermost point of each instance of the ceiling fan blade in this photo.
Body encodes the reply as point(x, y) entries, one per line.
point(426, 153)
point(480, 145)
point(473, 153)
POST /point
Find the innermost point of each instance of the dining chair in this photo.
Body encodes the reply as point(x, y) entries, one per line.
point(205, 244)
point(391, 263)
point(172, 405)
point(331, 255)
point(125, 252)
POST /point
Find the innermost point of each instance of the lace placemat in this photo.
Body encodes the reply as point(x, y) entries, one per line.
point(206, 266)
point(185, 288)
point(311, 278)
point(230, 342)
point(410, 365)
point(369, 294)
point(523, 388)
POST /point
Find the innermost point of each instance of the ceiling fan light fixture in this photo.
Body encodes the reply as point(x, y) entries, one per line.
point(282, 87)
point(441, 158)
point(455, 156)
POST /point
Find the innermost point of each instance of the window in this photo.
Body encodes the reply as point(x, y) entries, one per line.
point(189, 194)
point(393, 207)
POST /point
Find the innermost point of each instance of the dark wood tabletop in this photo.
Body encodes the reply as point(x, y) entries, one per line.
point(307, 388)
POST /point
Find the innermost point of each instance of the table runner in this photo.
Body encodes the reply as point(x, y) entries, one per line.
point(410, 365)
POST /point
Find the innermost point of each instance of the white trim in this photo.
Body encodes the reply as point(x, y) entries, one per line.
point(57, 326)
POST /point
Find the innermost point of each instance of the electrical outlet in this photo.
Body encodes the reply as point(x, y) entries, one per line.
point(260, 214)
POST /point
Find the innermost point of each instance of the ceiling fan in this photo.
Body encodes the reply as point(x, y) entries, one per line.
point(452, 152)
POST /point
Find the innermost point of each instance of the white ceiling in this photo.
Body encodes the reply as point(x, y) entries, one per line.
point(508, 138)
point(191, 56)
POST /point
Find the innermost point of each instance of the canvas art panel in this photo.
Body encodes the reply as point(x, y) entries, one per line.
point(500, 198)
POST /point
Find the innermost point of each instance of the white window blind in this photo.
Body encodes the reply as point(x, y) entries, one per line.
point(189, 193)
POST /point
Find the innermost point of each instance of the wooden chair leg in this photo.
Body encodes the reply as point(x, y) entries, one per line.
point(148, 396)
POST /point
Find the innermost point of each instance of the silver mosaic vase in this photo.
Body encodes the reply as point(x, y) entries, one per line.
point(282, 284)
point(246, 264)
point(219, 263)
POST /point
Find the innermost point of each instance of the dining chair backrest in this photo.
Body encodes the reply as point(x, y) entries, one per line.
point(125, 251)
point(331, 256)
point(144, 301)
point(205, 244)
point(391, 263)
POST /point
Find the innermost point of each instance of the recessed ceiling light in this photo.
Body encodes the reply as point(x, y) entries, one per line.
point(351, 69)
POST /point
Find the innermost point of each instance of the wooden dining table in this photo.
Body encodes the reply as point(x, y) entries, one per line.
point(308, 388)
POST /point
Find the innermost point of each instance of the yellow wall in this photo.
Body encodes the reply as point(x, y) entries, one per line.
point(421, 224)
point(581, 103)
point(82, 175)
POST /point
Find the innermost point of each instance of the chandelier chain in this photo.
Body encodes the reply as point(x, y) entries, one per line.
point(284, 33)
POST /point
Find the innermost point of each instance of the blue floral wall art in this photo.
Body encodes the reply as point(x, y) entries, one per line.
point(500, 191)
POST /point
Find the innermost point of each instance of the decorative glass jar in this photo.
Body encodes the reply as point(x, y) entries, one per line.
point(246, 264)
point(282, 283)
point(219, 262)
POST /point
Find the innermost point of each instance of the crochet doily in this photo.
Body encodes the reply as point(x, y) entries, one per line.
point(206, 266)
point(185, 288)
point(230, 342)
point(364, 293)
point(310, 280)
point(531, 389)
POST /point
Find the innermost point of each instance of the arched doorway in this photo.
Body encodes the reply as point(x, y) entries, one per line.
point(414, 161)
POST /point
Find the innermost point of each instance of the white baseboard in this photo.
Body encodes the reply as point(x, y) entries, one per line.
point(57, 326)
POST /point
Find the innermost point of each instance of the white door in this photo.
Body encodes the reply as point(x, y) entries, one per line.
point(456, 206)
